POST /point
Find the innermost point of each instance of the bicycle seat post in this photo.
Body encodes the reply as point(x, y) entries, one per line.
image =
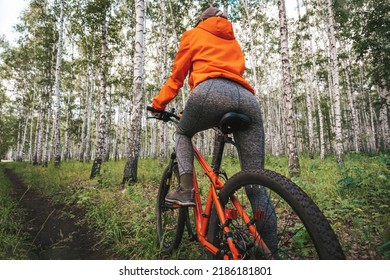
point(219, 145)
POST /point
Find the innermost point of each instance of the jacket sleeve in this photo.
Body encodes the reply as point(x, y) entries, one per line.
point(181, 66)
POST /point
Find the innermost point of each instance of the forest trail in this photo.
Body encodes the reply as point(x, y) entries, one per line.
point(58, 232)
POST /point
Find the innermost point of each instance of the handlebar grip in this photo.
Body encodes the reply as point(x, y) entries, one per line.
point(164, 115)
point(151, 109)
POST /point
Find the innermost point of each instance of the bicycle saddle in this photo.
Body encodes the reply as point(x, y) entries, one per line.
point(234, 121)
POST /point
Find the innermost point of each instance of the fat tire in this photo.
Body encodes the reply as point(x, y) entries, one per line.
point(323, 237)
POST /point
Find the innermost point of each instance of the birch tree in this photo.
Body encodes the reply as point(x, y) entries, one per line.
point(308, 85)
point(164, 75)
point(101, 137)
point(293, 160)
point(315, 82)
point(335, 83)
point(352, 108)
point(251, 38)
point(39, 133)
point(361, 28)
point(384, 93)
point(90, 93)
point(84, 122)
point(131, 167)
point(57, 156)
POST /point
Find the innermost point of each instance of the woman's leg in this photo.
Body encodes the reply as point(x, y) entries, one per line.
point(204, 109)
point(250, 146)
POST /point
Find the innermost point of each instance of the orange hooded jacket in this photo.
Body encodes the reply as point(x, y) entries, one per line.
point(210, 50)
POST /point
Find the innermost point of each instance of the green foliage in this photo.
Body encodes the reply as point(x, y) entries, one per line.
point(367, 23)
point(364, 188)
point(385, 249)
point(361, 177)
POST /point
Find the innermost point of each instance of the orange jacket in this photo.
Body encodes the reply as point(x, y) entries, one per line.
point(209, 50)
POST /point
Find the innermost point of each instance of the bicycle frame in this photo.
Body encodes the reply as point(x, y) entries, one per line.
point(202, 217)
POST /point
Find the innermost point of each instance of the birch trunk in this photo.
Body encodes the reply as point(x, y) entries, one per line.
point(24, 136)
point(252, 47)
point(66, 141)
point(47, 138)
point(146, 132)
point(30, 148)
point(372, 133)
point(354, 115)
point(38, 134)
point(67, 154)
point(84, 122)
point(164, 75)
point(101, 135)
point(309, 104)
point(57, 156)
point(335, 84)
point(225, 7)
point(118, 133)
point(131, 168)
point(153, 140)
point(308, 89)
point(109, 128)
point(293, 160)
point(318, 97)
point(91, 93)
point(18, 140)
point(384, 118)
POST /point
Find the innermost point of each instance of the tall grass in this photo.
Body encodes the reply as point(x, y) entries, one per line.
point(354, 197)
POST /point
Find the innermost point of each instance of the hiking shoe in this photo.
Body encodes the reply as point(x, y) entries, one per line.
point(181, 197)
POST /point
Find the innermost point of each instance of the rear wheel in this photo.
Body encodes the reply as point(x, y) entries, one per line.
point(286, 219)
point(170, 221)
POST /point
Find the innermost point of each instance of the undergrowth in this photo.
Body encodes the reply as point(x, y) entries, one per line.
point(353, 196)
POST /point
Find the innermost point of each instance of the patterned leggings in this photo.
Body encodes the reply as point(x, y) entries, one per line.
point(209, 101)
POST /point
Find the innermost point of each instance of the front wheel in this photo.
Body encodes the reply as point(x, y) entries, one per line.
point(285, 218)
point(170, 221)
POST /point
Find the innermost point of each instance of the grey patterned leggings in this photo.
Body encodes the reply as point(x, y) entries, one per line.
point(209, 101)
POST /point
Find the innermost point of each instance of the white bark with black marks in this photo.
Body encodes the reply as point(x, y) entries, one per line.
point(57, 132)
point(293, 162)
point(131, 168)
point(335, 83)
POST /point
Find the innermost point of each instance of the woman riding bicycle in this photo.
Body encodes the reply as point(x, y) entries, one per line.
point(212, 57)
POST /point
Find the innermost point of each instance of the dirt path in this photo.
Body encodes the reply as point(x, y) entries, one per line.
point(57, 231)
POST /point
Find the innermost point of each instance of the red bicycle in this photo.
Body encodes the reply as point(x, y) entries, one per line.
point(287, 224)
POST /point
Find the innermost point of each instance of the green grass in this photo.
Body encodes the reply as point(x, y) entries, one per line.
point(13, 243)
point(353, 196)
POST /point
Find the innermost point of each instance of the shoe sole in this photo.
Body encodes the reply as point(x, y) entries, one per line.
point(176, 203)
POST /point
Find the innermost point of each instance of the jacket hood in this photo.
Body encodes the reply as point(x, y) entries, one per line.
point(219, 27)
